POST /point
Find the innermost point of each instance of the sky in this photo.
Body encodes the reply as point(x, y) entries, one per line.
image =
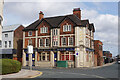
point(104, 15)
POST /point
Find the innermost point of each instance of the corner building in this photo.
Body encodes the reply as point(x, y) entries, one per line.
point(60, 38)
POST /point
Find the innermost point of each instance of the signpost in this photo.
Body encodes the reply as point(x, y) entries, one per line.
point(30, 52)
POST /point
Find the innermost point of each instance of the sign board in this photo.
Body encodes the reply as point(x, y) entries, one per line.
point(30, 49)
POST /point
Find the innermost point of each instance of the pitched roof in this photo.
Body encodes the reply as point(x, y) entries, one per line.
point(54, 22)
point(10, 27)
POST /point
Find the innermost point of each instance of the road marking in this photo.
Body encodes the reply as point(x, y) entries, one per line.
point(40, 73)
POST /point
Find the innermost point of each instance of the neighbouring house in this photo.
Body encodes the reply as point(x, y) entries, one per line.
point(107, 56)
point(12, 37)
point(98, 47)
point(60, 38)
point(1, 19)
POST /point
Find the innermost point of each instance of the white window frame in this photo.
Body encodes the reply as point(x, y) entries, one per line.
point(29, 33)
point(66, 28)
point(44, 29)
point(5, 45)
point(6, 34)
point(39, 43)
point(56, 43)
point(69, 41)
point(29, 42)
point(65, 41)
point(48, 42)
point(10, 44)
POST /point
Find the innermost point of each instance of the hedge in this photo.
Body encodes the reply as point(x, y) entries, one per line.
point(10, 66)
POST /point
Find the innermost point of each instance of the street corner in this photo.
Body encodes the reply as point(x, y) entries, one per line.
point(24, 74)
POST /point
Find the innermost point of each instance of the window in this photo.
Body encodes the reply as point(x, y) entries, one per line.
point(46, 42)
point(6, 35)
point(9, 43)
point(0, 43)
point(63, 41)
point(55, 32)
point(30, 33)
point(70, 40)
point(55, 43)
point(44, 57)
point(66, 28)
point(43, 29)
point(30, 42)
point(67, 56)
point(5, 44)
point(40, 42)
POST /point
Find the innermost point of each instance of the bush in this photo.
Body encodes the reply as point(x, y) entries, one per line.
point(10, 66)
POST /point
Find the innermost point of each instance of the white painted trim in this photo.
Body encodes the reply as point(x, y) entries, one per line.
point(67, 34)
point(68, 41)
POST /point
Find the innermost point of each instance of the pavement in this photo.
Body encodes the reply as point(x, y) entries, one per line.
point(23, 74)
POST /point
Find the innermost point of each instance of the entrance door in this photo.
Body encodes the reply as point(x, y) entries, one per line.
point(55, 59)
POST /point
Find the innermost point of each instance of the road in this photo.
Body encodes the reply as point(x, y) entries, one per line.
point(103, 72)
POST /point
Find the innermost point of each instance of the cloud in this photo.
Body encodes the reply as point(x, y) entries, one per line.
point(106, 25)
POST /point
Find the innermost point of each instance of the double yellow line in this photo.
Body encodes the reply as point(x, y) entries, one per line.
point(40, 73)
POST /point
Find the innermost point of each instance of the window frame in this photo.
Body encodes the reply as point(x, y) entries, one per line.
point(5, 44)
point(41, 45)
point(46, 43)
point(67, 28)
point(65, 41)
point(69, 41)
point(29, 33)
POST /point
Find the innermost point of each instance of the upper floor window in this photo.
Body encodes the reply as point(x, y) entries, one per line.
point(46, 42)
point(64, 41)
point(70, 40)
point(9, 43)
point(55, 43)
point(5, 44)
point(30, 33)
point(40, 42)
point(55, 32)
point(30, 42)
point(6, 35)
point(66, 28)
point(43, 29)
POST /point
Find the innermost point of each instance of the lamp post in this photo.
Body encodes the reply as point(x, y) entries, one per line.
point(30, 52)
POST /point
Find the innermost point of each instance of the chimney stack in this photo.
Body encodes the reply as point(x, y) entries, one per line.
point(41, 15)
point(77, 12)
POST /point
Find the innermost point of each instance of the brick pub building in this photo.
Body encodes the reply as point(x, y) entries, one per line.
point(60, 38)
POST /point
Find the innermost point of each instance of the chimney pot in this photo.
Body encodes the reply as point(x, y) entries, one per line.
point(41, 15)
point(77, 12)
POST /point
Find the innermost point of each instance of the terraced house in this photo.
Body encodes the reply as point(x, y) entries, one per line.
point(60, 38)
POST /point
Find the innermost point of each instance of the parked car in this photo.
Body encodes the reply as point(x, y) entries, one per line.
point(118, 61)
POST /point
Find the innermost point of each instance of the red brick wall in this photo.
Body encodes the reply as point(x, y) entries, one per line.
point(69, 23)
point(95, 59)
point(44, 23)
point(26, 42)
point(33, 34)
point(98, 52)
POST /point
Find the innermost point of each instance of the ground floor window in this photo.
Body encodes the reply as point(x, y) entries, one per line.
point(67, 56)
point(44, 56)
